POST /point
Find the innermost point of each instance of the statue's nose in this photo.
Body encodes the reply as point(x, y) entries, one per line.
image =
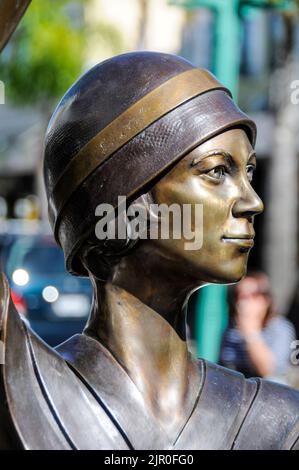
point(248, 203)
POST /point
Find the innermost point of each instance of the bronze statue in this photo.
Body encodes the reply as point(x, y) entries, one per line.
point(155, 129)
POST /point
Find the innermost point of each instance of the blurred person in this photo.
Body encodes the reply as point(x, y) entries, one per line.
point(257, 340)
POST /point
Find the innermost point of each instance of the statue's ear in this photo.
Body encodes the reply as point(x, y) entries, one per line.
point(95, 263)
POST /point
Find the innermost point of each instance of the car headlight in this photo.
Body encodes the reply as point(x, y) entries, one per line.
point(50, 294)
point(20, 277)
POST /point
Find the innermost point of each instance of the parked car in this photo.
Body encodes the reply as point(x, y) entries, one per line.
point(55, 303)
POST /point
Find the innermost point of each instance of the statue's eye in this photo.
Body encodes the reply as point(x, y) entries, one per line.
point(250, 171)
point(217, 173)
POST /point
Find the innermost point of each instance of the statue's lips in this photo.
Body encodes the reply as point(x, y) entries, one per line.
point(242, 240)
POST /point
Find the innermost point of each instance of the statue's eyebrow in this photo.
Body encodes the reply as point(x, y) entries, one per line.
point(212, 153)
point(216, 152)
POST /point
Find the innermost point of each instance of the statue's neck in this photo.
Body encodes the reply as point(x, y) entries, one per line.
point(149, 348)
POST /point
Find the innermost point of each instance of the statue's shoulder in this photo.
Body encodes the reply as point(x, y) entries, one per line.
point(266, 412)
point(43, 405)
point(27, 420)
point(272, 421)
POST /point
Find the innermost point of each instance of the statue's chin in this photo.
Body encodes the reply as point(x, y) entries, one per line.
point(228, 273)
point(234, 276)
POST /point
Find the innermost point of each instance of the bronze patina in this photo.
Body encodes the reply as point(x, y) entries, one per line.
point(153, 128)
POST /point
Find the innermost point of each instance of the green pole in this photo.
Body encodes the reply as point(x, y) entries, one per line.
point(211, 320)
point(227, 38)
point(227, 44)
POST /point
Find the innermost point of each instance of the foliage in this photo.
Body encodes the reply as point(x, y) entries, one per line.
point(46, 52)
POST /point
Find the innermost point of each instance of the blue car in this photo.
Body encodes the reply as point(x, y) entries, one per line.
point(55, 303)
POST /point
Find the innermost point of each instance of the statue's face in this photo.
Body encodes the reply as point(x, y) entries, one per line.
point(217, 175)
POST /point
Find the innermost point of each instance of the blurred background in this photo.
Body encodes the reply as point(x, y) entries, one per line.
point(252, 46)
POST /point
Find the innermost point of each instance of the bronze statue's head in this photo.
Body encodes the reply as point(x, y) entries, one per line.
point(153, 128)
